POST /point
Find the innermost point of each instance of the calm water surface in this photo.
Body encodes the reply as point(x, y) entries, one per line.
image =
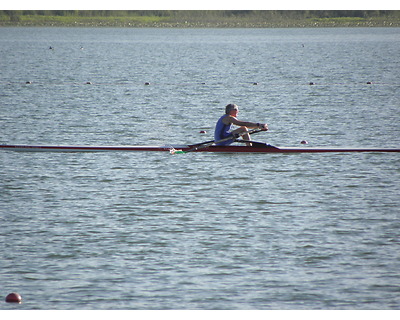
point(200, 231)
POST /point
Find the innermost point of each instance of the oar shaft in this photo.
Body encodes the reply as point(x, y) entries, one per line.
point(210, 142)
point(231, 137)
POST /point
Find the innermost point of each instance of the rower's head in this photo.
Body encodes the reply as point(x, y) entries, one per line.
point(231, 108)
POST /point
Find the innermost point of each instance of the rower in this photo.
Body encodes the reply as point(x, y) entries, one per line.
point(224, 127)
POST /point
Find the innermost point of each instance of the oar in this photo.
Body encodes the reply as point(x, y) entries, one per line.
point(207, 144)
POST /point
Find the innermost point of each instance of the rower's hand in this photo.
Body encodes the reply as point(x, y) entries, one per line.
point(263, 126)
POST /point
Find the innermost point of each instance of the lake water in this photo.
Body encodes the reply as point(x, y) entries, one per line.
point(200, 231)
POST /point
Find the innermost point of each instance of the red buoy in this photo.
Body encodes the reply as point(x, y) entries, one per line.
point(14, 297)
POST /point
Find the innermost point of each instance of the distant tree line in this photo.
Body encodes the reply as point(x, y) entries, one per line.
point(292, 14)
point(201, 18)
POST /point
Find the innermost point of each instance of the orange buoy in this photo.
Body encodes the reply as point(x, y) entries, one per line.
point(14, 297)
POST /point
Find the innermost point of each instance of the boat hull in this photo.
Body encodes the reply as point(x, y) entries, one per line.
point(218, 149)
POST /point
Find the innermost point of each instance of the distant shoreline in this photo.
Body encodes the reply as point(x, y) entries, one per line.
point(196, 21)
point(180, 25)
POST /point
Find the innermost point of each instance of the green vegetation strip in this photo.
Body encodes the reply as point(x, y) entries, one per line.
point(201, 19)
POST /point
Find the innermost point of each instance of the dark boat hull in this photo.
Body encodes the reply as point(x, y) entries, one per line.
point(217, 149)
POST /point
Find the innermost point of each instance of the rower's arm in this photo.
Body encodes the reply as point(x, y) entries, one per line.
point(247, 124)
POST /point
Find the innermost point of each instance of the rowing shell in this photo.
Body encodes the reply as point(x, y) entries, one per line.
point(260, 148)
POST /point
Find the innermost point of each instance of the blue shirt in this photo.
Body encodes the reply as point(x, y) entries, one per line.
point(222, 131)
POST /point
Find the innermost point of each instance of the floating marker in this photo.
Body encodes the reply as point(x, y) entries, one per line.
point(14, 298)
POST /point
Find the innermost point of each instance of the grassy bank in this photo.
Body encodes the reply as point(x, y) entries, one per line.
point(72, 21)
point(201, 19)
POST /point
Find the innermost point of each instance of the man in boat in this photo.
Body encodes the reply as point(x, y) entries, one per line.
point(224, 127)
